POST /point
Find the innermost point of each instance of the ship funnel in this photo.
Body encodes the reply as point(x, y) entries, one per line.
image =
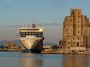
point(33, 25)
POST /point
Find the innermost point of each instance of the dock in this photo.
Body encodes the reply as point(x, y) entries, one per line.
point(61, 51)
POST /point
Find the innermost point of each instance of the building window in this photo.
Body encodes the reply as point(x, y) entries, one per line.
point(78, 26)
point(78, 13)
point(78, 31)
point(78, 16)
point(64, 41)
point(66, 29)
point(72, 11)
point(78, 38)
point(73, 42)
point(77, 43)
point(78, 21)
point(82, 25)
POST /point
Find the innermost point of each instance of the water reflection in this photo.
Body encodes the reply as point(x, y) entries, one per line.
point(53, 60)
point(31, 60)
point(76, 61)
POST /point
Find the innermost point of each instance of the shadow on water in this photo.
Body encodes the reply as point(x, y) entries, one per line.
point(31, 60)
point(76, 61)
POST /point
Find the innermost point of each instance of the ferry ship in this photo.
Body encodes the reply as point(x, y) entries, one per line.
point(31, 38)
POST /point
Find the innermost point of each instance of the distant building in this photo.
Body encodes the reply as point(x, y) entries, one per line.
point(76, 30)
point(10, 46)
point(47, 46)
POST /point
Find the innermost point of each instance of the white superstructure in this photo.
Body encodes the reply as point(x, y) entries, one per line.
point(31, 37)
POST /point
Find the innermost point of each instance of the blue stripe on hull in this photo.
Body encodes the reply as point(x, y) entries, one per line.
point(31, 51)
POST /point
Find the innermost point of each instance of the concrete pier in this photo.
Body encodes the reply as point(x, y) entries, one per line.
point(61, 51)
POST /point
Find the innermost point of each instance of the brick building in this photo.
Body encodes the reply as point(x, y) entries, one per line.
point(76, 30)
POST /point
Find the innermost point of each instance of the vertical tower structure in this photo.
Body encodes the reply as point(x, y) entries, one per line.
point(76, 30)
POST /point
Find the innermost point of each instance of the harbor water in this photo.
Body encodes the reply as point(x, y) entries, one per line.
point(17, 59)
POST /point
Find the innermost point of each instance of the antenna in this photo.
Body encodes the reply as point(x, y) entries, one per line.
point(31, 22)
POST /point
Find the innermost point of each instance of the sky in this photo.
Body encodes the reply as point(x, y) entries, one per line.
point(20, 12)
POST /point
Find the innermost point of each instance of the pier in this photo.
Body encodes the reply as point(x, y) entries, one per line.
point(61, 51)
point(52, 51)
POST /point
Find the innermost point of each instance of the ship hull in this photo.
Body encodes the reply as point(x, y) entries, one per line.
point(31, 50)
point(29, 44)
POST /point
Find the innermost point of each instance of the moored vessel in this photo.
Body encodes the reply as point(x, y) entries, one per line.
point(31, 38)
